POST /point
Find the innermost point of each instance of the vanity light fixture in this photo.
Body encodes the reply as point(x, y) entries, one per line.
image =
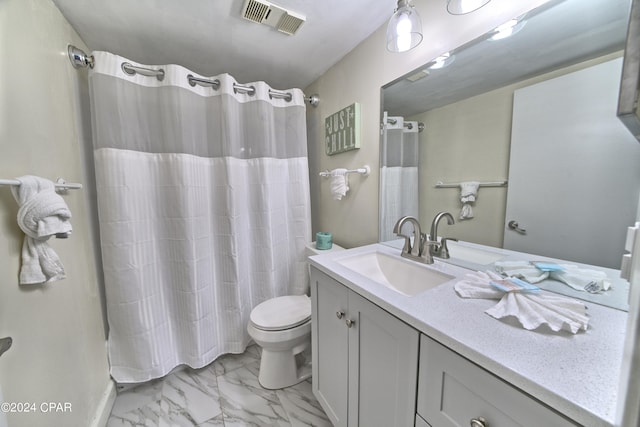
point(508, 29)
point(441, 61)
point(461, 7)
point(404, 31)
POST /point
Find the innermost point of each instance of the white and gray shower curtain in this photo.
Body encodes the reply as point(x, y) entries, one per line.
point(203, 203)
point(399, 158)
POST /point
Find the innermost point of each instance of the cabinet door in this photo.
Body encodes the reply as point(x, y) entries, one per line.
point(383, 367)
point(452, 391)
point(329, 346)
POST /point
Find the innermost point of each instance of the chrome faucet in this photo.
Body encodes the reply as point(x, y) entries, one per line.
point(440, 249)
point(415, 251)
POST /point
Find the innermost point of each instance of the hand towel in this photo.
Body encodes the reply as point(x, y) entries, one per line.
point(468, 194)
point(580, 279)
point(532, 309)
point(42, 214)
point(339, 184)
point(522, 270)
point(592, 281)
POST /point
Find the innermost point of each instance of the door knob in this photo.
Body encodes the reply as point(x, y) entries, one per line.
point(339, 314)
point(479, 422)
point(513, 225)
point(5, 344)
point(350, 322)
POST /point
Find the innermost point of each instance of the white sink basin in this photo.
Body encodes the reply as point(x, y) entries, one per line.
point(403, 276)
point(472, 254)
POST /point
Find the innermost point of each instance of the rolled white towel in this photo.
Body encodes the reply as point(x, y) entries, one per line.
point(339, 184)
point(42, 214)
point(468, 194)
point(469, 191)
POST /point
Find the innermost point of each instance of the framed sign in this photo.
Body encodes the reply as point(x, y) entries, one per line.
point(342, 130)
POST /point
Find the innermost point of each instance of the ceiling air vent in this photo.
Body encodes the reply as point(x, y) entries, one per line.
point(255, 11)
point(274, 16)
point(290, 22)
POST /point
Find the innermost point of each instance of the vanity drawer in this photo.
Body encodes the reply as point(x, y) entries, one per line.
point(452, 391)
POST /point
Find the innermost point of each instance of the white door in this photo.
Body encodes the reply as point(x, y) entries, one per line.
point(570, 153)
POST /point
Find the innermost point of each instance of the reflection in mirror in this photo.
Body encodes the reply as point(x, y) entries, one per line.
point(521, 109)
point(398, 172)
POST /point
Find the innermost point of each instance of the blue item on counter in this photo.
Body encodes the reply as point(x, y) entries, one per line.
point(324, 240)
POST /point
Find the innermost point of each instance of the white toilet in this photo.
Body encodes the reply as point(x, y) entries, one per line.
point(282, 327)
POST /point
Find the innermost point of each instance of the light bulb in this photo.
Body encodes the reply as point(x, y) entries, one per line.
point(507, 29)
point(461, 7)
point(404, 31)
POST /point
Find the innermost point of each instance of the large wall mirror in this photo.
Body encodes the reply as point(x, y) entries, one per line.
point(532, 119)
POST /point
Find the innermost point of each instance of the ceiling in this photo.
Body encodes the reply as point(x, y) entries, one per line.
point(210, 37)
point(558, 34)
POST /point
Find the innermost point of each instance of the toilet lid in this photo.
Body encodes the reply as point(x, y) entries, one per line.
point(281, 313)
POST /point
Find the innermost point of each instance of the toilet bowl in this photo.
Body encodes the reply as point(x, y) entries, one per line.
point(281, 326)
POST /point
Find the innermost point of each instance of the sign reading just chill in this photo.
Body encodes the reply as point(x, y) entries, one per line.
point(342, 130)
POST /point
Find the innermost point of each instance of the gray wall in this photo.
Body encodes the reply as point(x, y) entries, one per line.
point(59, 352)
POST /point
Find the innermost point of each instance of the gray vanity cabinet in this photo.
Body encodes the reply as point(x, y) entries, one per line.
point(365, 361)
point(453, 392)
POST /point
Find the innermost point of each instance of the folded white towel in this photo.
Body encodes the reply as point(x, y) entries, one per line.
point(522, 270)
point(339, 184)
point(580, 279)
point(42, 214)
point(532, 309)
point(468, 194)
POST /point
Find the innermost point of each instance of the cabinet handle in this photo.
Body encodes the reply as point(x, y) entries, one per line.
point(339, 314)
point(479, 422)
point(350, 322)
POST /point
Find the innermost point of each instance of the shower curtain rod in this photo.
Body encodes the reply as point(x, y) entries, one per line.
point(408, 125)
point(79, 59)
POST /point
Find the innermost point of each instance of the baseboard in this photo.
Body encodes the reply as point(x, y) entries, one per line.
point(105, 405)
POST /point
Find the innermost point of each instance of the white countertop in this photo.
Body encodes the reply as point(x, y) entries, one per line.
point(577, 375)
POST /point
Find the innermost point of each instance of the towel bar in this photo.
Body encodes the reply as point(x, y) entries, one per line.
point(365, 170)
point(441, 184)
point(61, 185)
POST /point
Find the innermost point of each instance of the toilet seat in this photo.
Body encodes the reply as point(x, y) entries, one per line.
point(281, 313)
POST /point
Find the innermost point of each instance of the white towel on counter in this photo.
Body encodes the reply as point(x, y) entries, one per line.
point(468, 195)
point(580, 279)
point(522, 270)
point(532, 309)
point(339, 184)
point(42, 214)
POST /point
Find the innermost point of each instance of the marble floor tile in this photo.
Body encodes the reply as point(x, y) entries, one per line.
point(226, 393)
point(302, 407)
point(241, 394)
point(229, 362)
point(195, 391)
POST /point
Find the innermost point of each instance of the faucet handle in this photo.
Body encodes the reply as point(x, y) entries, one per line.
point(444, 250)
